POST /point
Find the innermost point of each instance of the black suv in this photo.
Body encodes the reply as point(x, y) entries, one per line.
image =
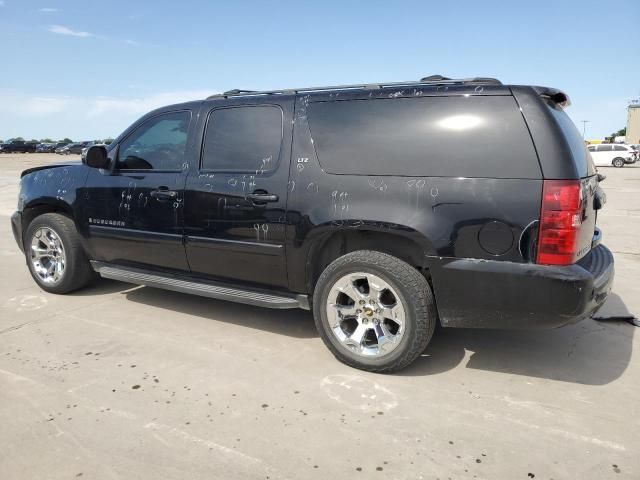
point(18, 146)
point(384, 208)
point(75, 148)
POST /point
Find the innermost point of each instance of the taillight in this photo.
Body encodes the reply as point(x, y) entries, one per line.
point(560, 220)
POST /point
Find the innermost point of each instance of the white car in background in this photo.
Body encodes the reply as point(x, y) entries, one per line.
point(608, 154)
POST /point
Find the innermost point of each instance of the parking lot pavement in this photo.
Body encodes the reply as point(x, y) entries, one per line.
point(120, 381)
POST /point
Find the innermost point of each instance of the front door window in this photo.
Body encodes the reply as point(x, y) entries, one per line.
point(159, 144)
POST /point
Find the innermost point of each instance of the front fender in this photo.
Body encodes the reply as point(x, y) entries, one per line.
point(55, 189)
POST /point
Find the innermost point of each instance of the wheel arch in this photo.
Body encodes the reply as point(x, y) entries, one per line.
point(38, 208)
point(332, 245)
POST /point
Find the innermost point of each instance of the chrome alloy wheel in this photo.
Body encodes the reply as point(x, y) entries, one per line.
point(47, 255)
point(366, 314)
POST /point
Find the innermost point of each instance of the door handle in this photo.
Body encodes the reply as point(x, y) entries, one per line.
point(163, 194)
point(262, 197)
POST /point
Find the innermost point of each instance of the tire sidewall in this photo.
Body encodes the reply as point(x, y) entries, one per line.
point(67, 278)
point(322, 322)
point(618, 162)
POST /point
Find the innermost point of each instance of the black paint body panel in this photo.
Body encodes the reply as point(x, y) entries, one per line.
point(472, 235)
point(228, 236)
point(494, 294)
point(442, 216)
point(149, 232)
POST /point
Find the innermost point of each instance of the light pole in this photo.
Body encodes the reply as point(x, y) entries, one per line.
point(584, 127)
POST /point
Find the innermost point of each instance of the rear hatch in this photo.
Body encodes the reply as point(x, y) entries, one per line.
point(569, 208)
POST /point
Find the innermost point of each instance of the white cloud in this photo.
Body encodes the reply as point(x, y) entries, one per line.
point(42, 106)
point(140, 105)
point(47, 10)
point(67, 31)
point(38, 116)
point(17, 105)
point(132, 42)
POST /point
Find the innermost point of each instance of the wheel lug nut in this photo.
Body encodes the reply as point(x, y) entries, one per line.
point(361, 302)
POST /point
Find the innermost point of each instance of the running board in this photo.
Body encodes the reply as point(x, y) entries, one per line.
point(204, 289)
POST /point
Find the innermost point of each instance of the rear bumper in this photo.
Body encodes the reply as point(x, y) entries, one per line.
point(496, 294)
point(16, 227)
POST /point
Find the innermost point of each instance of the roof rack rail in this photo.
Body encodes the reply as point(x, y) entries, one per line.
point(430, 80)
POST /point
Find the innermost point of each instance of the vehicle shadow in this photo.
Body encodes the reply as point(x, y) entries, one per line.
point(103, 286)
point(291, 322)
point(590, 352)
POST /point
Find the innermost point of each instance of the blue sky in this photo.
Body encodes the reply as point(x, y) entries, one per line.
point(87, 69)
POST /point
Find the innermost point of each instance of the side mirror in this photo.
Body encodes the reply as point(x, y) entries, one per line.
point(97, 157)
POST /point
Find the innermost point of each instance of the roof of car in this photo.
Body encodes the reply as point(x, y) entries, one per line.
point(432, 85)
point(432, 80)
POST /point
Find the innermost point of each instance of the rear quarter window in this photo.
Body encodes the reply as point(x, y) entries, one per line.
point(462, 136)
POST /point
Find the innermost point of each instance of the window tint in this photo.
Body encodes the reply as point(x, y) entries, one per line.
point(605, 148)
point(158, 144)
point(476, 136)
point(243, 139)
point(619, 148)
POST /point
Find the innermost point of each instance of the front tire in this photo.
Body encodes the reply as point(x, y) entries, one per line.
point(54, 255)
point(618, 162)
point(374, 311)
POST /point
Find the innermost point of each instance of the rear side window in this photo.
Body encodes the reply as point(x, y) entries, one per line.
point(243, 139)
point(579, 153)
point(475, 136)
point(619, 148)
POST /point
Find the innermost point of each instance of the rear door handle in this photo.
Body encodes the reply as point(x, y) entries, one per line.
point(259, 197)
point(163, 194)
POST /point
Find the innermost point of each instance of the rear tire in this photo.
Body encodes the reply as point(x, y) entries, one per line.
point(54, 255)
point(618, 162)
point(374, 311)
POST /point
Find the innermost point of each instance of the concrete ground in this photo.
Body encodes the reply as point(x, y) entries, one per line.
point(128, 382)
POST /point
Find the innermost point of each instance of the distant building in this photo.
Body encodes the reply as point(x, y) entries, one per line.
point(633, 123)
